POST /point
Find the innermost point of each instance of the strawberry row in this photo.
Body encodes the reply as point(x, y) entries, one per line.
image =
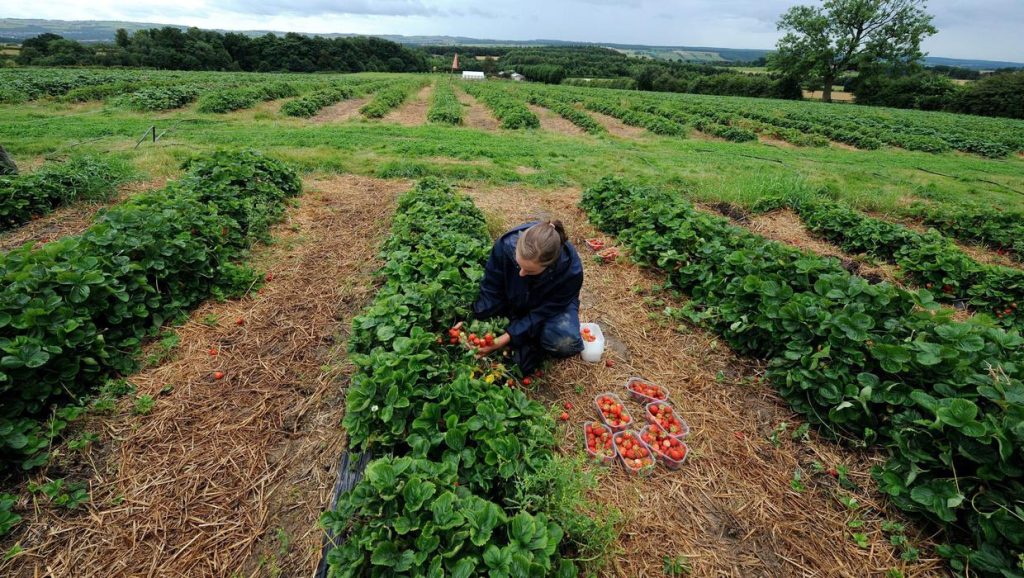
point(928, 259)
point(869, 361)
point(75, 311)
point(81, 178)
point(456, 444)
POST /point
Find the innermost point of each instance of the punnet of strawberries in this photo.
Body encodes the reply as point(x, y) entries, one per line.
point(662, 415)
point(648, 389)
point(599, 440)
point(613, 412)
point(634, 452)
point(664, 444)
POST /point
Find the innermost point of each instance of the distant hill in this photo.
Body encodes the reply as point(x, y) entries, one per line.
point(17, 29)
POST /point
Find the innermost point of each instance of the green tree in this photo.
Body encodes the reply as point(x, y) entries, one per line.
point(121, 38)
point(821, 42)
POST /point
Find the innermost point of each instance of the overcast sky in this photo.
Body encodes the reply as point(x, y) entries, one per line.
point(987, 29)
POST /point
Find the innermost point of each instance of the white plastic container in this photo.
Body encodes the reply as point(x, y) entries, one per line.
point(592, 350)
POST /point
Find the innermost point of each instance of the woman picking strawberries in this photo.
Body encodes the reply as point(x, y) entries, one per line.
point(533, 277)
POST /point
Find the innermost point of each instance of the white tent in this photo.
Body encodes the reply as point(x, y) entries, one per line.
point(472, 75)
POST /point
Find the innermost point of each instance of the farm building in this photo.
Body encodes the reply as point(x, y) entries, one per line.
point(517, 77)
point(472, 75)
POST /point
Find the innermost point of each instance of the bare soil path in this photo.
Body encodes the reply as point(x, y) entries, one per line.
point(476, 114)
point(413, 112)
point(618, 128)
point(340, 112)
point(552, 122)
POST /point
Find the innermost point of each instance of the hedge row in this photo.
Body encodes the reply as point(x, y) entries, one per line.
point(874, 362)
point(508, 108)
point(241, 98)
point(82, 178)
point(76, 310)
point(929, 259)
point(464, 443)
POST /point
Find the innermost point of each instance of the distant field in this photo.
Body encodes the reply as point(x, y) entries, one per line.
point(762, 491)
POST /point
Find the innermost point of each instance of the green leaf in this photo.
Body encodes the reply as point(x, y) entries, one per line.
point(385, 554)
point(958, 413)
point(464, 568)
point(417, 492)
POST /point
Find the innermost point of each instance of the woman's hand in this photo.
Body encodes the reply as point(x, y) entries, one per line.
point(503, 340)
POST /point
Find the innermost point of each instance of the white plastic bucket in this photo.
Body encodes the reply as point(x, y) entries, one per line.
point(592, 350)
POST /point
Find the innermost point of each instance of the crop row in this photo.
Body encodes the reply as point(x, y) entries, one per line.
point(510, 109)
point(929, 259)
point(566, 110)
point(870, 361)
point(231, 99)
point(463, 443)
point(390, 97)
point(709, 124)
point(1001, 230)
point(158, 98)
point(22, 86)
point(312, 103)
point(82, 178)
point(652, 122)
point(445, 107)
point(76, 310)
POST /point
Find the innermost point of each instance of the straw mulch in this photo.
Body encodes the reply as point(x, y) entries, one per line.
point(785, 226)
point(552, 122)
point(413, 112)
point(476, 115)
point(228, 478)
point(616, 127)
point(731, 509)
point(341, 112)
point(69, 220)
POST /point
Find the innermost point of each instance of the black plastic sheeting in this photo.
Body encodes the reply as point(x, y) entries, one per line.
point(350, 471)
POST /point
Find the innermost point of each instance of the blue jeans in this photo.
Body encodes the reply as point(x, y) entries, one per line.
point(560, 337)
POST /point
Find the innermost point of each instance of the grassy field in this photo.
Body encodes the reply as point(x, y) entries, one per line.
point(254, 457)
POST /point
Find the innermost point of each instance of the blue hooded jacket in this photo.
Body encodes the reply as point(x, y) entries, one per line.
point(527, 301)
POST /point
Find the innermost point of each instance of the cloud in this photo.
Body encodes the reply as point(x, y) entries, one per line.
point(330, 7)
point(980, 29)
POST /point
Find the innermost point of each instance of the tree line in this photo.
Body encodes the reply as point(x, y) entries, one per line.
point(194, 49)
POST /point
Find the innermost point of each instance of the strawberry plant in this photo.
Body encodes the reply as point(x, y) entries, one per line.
point(872, 362)
point(8, 519)
point(928, 259)
point(445, 107)
point(390, 96)
point(232, 99)
point(409, 517)
point(445, 412)
point(565, 109)
point(80, 178)
point(76, 310)
point(311, 104)
point(506, 106)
